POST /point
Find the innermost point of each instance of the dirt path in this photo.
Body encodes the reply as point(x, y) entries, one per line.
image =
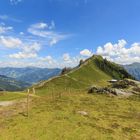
point(6, 103)
point(13, 102)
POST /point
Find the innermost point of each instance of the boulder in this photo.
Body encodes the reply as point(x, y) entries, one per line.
point(84, 113)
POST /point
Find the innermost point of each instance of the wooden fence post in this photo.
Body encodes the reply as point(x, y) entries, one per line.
point(28, 94)
point(33, 90)
point(53, 97)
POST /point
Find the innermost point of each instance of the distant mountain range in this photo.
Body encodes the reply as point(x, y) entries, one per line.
point(19, 78)
point(134, 70)
point(10, 84)
point(29, 75)
point(13, 79)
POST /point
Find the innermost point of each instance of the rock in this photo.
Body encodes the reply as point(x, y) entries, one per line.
point(124, 87)
point(82, 113)
point(93, 89)
point(122, 92)
point(104, 90)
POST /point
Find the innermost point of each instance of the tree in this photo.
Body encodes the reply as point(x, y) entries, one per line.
point(81, 62)
point(65, 70)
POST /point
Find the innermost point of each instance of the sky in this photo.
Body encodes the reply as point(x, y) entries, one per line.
point(58, 33)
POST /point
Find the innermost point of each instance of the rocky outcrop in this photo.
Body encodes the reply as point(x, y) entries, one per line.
point(124, 87)
point(104, 90)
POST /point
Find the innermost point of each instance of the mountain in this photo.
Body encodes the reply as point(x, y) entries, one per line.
point(133, 69)
point(10, 84)
point(29, 75)
point(93, 71)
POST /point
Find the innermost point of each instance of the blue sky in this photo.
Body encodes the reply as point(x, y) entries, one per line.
point(58, 33)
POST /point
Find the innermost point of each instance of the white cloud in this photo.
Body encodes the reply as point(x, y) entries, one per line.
point(10, 42)
point(40, 25)
point(14, 2)
point(23, 55)
point(8, 18)
point(66, 57)
point(23, 49)
point(32, 59)
point(45, 30)
point(35, 47)
point(52, 26)
point(86, 52)
point(21, 33)
point(54, 39)
point(4, 29)
point(29, 51)
point(47, 59)
point(64, 61)
point(120, 53)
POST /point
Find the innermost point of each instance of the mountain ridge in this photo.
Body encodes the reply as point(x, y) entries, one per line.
point(93, 71)
point(30, 75)
point(11, 84)
point(133, 69)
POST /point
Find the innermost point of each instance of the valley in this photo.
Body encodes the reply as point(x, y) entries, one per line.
point(16, 79)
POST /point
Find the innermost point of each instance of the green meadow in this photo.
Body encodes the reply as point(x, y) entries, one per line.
point(53, 112)
point(108, 118)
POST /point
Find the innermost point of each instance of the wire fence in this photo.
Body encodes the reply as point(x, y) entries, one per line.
point(32, 96)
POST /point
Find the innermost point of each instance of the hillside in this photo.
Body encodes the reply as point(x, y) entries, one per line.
point(10, 84)
point(29, 75)
point(62, 109)
point(107, 118)
point(134, 69)
point(94, 71)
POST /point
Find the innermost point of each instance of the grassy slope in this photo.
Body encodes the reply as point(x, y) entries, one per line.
point(83, 77)
point(92, 72)
point(10, 84)
point(110, 118)
point(8, 96)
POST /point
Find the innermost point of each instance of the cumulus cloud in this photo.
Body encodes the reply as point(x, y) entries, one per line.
point(45, 30)
point(10, 42)
point(35, 47)
point(23, 49)
point(64, 61)
point(86, 52)
point(48, 59)
point(23, 55)
point(28, 51)
point(119, 53)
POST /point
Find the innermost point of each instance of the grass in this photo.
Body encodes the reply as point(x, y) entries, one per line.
point(109, 118)
point(8, 96)
point(88, 74)
point(81, 78)
point(53, 113)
